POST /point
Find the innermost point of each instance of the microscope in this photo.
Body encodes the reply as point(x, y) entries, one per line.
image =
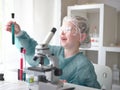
point(48, 75)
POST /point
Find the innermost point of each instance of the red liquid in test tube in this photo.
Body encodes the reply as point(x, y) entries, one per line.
point(23, 51)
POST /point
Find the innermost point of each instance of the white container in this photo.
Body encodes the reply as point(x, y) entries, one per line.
point(116, 75)
point(94, 41)
point(94, 38)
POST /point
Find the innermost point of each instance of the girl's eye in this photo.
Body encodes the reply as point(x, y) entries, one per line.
point(66, 29)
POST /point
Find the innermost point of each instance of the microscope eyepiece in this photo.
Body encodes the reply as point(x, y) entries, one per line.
point(53, 30)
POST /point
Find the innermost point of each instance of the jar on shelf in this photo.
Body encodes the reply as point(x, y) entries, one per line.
point(94, 37)
point(116, 75)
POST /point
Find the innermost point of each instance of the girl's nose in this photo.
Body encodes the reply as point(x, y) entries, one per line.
point(62, 32)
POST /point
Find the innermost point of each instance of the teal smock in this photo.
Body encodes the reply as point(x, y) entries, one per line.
point(77, 69)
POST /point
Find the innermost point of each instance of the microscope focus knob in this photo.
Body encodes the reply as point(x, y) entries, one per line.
point(58, 72)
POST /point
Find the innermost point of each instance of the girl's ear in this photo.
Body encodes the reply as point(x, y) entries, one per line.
point(83, 37)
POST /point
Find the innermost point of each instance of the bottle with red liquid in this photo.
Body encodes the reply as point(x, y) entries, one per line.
point(94, 37)
point(21, 73)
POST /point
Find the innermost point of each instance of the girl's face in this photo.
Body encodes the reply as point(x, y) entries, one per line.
point(70, 37)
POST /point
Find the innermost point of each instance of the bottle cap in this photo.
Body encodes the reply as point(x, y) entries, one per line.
point(13, 15)
point(1, 77)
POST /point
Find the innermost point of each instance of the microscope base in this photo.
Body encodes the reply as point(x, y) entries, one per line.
point(45, 86)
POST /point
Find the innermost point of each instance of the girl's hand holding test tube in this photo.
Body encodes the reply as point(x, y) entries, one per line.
point(13, 27)
point(16, 27)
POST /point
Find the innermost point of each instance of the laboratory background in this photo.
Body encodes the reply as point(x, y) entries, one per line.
point(38, 17)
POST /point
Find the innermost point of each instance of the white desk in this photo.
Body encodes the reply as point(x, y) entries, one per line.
point(13, 85)
point(78, 87)
point(23, 86)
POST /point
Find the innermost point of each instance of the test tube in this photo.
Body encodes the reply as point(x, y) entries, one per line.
point(21, 73)
point(24, 64)
point(13, 29)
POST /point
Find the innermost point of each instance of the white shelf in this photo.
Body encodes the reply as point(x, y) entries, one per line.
point(107, 49)
point(91, 7)
point(112, 49)
point(90, 49)
point(104, 17)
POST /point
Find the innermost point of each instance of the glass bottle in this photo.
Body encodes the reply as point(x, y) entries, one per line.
point(116, 75)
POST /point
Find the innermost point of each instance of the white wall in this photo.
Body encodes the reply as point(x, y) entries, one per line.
point(46, 16)
point(37, 17)
point(10, 54)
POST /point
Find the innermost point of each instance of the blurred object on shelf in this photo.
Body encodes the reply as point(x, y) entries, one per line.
point(118, 44)
point(115, 87)
point(112, 44)
point(116, 75)
point(94, 37)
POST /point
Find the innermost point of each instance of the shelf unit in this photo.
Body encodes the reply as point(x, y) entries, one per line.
point(104, 17)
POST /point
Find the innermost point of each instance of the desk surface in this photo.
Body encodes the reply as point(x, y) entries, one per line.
point(23, 86)
point(78, 87)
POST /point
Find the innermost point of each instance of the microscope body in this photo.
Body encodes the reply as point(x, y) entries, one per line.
point(48, 76)
point(52, 69)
